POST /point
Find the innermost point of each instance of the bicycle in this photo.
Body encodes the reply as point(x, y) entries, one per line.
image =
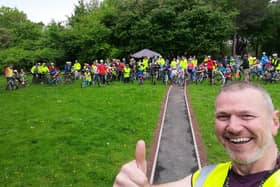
point(276, 76)
point(154, 73)
point(68, 78)
point(255, 74)
point(54, 79)
point(271, 76)
point(200, 76)
point(218, 77)
point(165, 78)
point(12, 84)
point(238, 74)
point(140, 79)
point(85, 82)
point(181, 79)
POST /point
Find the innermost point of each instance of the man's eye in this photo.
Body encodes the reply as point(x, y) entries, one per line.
point(222, 117)
point(247, 117)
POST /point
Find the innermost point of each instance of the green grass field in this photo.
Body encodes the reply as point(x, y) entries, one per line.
point(202, 98)
point(68, 136)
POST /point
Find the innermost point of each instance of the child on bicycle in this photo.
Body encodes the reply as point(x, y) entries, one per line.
point(54, 74)
point(22, 77)
point(140, 73)
point(88, 77)
point(228, 73)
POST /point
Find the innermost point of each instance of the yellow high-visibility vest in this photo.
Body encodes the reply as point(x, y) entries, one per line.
point(215, 176)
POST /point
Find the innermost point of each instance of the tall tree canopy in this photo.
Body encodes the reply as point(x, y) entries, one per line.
point(117, 28)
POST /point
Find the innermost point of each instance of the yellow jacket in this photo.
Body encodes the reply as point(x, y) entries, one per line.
point(126, 72)
point(77, 66)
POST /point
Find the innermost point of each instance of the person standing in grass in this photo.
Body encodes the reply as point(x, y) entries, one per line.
point(275, 63)
point(210, 67)
point(264, 60)
point(88, 77)
point(77, 69)
point(126, 73)
point(9, 72)
point(246, 68)
point(101, 69)
point(245, 124)
point(228, 74)
point(191, 70)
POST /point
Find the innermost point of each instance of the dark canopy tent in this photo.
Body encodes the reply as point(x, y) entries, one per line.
point(145, 53)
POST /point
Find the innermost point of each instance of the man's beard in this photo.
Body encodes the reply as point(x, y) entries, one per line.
point(253, 157)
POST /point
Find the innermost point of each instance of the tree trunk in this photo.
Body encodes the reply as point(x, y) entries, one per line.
point(234, 43)
point(257, 49)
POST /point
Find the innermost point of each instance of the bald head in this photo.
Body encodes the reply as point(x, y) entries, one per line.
point(242, 86)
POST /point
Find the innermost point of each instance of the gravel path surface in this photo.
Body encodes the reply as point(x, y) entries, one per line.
point(176, 157)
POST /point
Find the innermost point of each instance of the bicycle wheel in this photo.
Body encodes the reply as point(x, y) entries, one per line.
point(254, 76)
point(181, 82)
point(58, 82)
point(166, 79)
point(276, 77)
point(219, 78)
point(187, 76)
point(83, 83)
point(153, 79)
point(198, 77)
point(9, 86)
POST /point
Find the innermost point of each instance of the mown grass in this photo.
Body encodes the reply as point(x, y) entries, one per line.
point(202, 98)
point(68, 136)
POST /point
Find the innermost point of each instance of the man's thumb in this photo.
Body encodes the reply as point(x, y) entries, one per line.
point(140, 155)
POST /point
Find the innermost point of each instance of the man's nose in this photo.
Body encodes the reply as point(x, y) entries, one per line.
point(235, 124)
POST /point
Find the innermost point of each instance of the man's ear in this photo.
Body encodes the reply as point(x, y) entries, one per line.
point(276, 123)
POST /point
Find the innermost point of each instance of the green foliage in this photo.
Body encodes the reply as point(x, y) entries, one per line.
point(26, 58)
point(27, 31)
point(6, 38)
point(271, 30)
point(250, 23)
point(209, 29)
point(117, 28)
point(24, 43)
point(9, 17)
point(171, 27)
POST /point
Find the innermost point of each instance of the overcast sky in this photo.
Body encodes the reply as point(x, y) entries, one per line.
point(43, 10)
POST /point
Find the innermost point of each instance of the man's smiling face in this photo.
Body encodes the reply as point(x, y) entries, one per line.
point(244, 124)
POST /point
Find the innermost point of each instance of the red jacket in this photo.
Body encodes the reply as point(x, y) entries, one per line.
point(101, 69)
point(210, 64)
point(121, 67)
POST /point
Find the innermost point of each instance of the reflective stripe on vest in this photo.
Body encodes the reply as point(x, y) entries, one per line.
point(211, 176)
point(202, 175)
point(215, 176)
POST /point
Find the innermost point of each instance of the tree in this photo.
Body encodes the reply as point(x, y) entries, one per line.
point(9, 17)
point(6, 38)
point(249, 20)
point(271, 29)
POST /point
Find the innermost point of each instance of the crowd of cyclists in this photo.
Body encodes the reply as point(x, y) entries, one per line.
point(156, 69)
point(15, 78)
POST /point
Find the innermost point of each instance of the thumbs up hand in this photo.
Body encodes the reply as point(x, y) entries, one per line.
point(134, 172)
point(140, 156)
